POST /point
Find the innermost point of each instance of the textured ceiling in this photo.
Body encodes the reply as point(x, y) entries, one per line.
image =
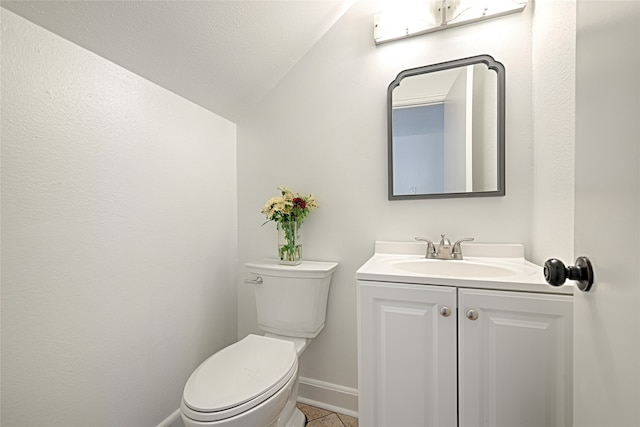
point(222, 55)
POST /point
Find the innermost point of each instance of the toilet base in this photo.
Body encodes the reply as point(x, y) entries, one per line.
point(291, 416)
point(298, 419)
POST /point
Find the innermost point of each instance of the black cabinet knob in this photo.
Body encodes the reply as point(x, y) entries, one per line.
point(556, 273)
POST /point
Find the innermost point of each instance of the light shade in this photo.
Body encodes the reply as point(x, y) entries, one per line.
point(415, 17)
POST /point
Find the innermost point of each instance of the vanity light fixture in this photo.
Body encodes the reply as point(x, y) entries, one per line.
point(408, 18)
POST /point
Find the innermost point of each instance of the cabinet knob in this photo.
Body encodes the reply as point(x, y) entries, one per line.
point(472, 314)
point(445, 311)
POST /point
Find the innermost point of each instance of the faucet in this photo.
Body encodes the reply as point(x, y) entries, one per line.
point(446, 250)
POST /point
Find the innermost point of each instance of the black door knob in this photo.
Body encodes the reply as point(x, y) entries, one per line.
point(556, 273)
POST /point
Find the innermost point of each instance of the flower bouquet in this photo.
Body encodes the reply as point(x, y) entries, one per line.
point(288, 211)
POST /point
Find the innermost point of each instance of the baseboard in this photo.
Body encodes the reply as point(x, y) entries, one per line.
point(332, 397)
point(172, 420)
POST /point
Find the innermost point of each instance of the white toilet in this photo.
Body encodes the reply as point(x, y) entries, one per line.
point(254, 382)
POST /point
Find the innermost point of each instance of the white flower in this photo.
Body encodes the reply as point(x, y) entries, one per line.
point(289, 206)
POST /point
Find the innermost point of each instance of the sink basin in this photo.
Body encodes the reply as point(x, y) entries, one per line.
point(485, 266)
point(454, 268)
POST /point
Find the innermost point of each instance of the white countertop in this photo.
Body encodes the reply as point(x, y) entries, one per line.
point(520, 274)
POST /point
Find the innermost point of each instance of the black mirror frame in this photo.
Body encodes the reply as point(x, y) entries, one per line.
point(492, 64)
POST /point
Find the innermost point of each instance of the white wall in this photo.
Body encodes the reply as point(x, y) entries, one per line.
point(554, 58)
point(323, 130)
point(118, 237)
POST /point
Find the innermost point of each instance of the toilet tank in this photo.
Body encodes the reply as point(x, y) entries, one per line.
point(291, 300)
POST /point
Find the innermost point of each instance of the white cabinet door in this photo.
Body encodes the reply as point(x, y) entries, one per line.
point(515, 359)
point(407, 353)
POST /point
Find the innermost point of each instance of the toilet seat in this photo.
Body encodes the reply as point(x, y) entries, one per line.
point(238, 378)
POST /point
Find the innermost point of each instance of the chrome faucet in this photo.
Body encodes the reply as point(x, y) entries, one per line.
point(445, 249)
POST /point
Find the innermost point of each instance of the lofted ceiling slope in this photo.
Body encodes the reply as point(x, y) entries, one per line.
point(222, 55)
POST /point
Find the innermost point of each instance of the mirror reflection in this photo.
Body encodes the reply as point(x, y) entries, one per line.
point(446, 130)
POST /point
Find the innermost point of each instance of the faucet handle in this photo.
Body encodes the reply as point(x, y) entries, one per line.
point(431, 249)
point(444, 242)
point(456, 250)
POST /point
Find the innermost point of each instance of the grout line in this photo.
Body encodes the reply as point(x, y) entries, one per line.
point(328, 415)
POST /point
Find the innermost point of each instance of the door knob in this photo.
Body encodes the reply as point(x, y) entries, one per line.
point(472, 315)
point(555, 273)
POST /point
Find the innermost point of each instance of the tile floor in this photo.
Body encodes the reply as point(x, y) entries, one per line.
point(317, 417)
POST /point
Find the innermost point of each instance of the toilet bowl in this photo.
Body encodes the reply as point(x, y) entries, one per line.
point(254, 382)
point(246, 384)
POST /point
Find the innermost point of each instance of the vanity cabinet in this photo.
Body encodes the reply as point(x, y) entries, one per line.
point(448, 356)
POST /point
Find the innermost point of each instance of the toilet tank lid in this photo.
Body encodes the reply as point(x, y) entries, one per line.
point(304, 269)
point(239, 373)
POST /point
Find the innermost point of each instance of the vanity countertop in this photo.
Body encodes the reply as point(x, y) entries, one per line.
point(486, 266)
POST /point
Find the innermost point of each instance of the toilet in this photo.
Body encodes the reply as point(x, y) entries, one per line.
point(254, 382)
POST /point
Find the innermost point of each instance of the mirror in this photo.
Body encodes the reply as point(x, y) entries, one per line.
point(446, 130)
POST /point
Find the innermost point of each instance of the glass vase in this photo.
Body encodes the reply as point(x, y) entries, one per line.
point(289, 242)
